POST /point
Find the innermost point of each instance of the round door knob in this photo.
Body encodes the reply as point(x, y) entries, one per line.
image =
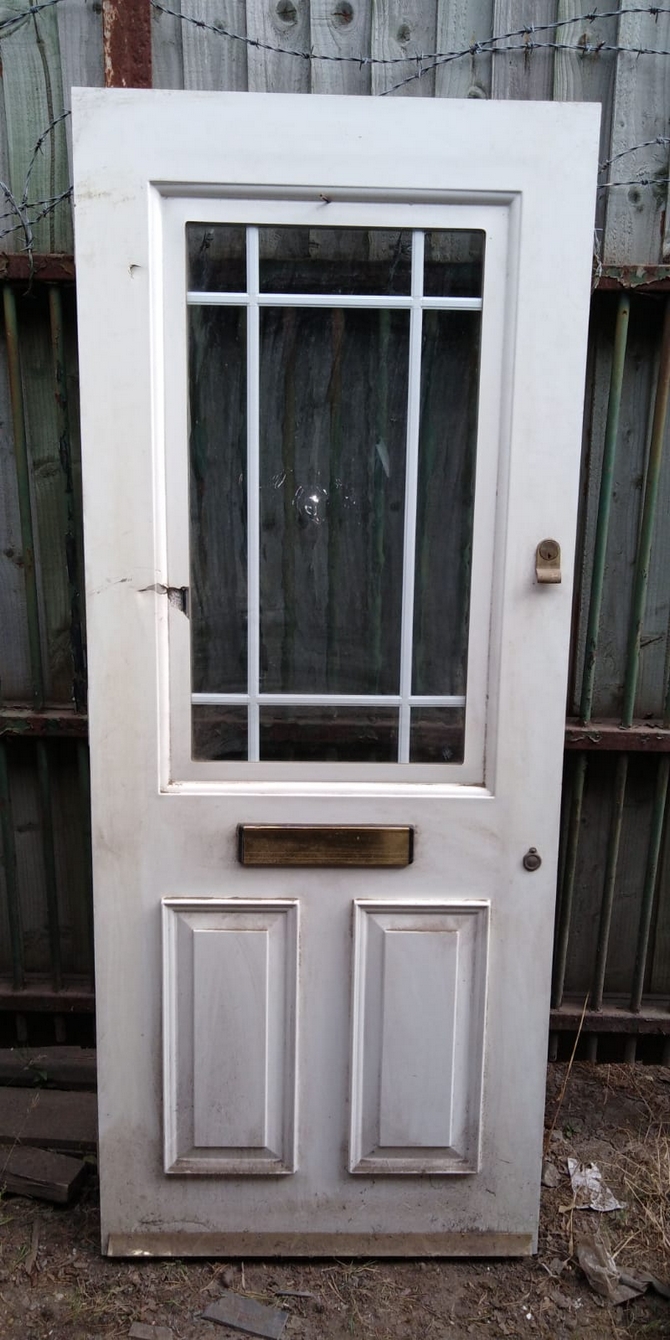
point(532, 860)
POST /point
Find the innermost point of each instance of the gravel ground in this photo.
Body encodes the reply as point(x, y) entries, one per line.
point(53, 1282)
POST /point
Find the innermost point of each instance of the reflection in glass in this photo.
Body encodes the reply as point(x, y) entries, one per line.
point(329, 734)
point(335, 260)
point(437, 735)
point(216, 257)
point(219, 733)
point(333, 408)
point(447, 445)
point(453, 264)
point(218, 502)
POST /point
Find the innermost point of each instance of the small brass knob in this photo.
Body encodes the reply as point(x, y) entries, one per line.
point(548, 562)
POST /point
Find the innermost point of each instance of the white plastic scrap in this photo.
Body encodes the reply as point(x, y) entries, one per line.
point(589, 1190)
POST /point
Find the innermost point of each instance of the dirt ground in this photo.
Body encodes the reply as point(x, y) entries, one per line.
point(53, 1283)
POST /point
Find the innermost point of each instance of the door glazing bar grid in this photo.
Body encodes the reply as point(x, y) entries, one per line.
point(415, 303)
point(326, 700)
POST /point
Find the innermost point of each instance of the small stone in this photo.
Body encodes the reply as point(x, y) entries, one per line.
point(141, 1331)
point(551, 1176)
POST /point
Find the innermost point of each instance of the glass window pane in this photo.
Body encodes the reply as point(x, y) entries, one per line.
point(335, 260)
point(437, 735)
point(329, 734)
point(219, 733)
point(333, 410)
point(218, 500)
point(453, 264)
point(448, 435)
point(216, 257)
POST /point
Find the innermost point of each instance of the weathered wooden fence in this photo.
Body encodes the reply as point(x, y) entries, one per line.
point(613, 928)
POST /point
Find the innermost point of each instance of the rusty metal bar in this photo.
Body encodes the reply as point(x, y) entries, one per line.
point(611, 864)
point(652, 478)
point(23, 488)
point(39, 997)
point(72, 558)
point(568, 882)
point(638, 278)
point(126, 36)
point(604, 505)
point(49, 861)
point(644, 737)
point(24, 723)
point(49, 267)
point(650, 878)
point(615, 1017)
point(11, 882)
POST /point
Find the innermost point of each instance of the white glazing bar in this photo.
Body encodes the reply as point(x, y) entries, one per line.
point(327, 700)
point(196, 299)
point(253, 495)
point(411, 487)
point(451, 304)
point(372, 300)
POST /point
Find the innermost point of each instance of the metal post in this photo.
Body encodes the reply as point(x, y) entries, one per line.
point(611, 863)
point(652, 477)
point(23, 488)
point(604, 505)
point(568, 889)
point(650, 875)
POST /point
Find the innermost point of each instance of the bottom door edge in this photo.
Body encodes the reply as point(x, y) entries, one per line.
point(187, 1243)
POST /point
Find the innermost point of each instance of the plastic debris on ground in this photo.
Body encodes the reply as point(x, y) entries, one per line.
point(613, 1282)
point(589, 1191)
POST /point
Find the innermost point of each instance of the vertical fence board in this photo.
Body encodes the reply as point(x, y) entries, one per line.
point(598, 367)
point(283, 24)
point(460, 24)
point(590, 872)
point(14, 655)
point(33, 97)
point(167, 57)
point(635, 214)
point(650, 693)
point(29, 856)
point(48, 498)
point(9, 240)
point(399, 31)
point(71, 857)
point(634, 425)
point(340, 28)
point(80, 42)
point(212, 60)
point(659, 974)
point(522, 72)
point(580, 77)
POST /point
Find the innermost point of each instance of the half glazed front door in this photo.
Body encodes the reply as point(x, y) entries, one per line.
point(332, 357)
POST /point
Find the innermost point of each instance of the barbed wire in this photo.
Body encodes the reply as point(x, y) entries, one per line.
point(486, 46)
point(23, 215)
point(13, 21)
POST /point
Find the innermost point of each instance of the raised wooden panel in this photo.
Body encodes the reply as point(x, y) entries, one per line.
point(229, 1035)
point(419, 1004)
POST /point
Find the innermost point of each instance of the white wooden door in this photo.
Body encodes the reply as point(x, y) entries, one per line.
point(332, 359)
